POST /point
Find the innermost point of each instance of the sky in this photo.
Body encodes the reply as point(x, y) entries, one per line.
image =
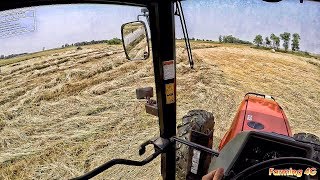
point(206, 19)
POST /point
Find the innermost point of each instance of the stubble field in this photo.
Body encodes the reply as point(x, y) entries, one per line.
point(64, 112)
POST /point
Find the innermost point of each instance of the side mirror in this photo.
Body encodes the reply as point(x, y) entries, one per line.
point(135, 40)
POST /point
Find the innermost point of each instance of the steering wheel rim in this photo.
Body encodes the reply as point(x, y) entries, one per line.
point(275, 162)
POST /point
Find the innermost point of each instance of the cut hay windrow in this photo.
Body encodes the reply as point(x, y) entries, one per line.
point(62, 113)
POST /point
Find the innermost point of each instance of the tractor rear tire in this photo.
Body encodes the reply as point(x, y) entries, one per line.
point(311, 139)
point(197, 120)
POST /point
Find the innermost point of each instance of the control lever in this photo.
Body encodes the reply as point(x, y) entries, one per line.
point(196, 146)
point(161, 144)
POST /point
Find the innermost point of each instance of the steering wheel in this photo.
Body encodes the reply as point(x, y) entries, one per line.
point(259, 169)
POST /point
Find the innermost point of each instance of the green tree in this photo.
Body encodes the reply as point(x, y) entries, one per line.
point(273, 37)
point(232, 39)
point(268, 42)
point(224, 39)
point(295, 42)
point(258, 40)
point(286, 38)
point(114, 41)
point(220, 39)
point(229, 39)
point(277, 42)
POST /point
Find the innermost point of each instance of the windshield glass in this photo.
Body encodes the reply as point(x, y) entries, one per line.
point(67, 101)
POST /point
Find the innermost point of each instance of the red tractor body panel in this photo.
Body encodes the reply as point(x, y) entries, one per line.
point(258, 114)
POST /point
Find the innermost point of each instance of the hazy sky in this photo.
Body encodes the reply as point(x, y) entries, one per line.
point(206, 19)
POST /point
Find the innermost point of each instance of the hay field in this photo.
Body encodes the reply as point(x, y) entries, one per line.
point(66, 112)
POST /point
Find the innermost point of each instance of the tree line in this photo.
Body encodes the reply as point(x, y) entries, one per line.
point(232, 39)
point(222, 39)
point(196, 39)
point(11, 55)
point(274, 41)
point(112, 41)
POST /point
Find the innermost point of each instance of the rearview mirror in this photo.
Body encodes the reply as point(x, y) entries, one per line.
point(135, 40)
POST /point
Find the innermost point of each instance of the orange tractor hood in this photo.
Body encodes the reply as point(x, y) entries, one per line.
point(258, 113)
point(266, 112)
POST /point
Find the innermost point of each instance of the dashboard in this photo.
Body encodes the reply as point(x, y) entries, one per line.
point(259, 149)
point(251, 147)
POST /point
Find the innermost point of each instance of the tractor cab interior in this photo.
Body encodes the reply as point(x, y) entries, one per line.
point(251, 148)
